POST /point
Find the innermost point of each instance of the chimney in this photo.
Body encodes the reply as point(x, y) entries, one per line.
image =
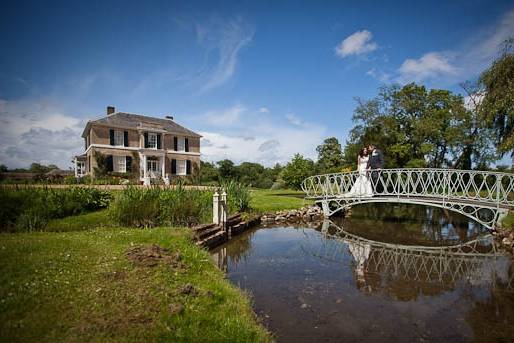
point(110, 110)
point(169, 117)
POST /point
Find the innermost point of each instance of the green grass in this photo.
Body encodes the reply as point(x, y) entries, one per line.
point(275, 200)
point(80, 286)
point(81, 222)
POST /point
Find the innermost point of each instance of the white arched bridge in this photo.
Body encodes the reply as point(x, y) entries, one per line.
point(480, 195)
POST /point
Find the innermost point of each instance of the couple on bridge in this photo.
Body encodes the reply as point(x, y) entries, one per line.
point(369, 161)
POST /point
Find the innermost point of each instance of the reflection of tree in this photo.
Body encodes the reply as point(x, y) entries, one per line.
point(492, 319)
point(405, 272)
point(237, 249)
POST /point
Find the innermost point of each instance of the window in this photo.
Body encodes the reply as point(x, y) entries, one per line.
point(119, 138)
point(120, 164)
point(181, 144)
point(81, 168)
point(181, 167)
point(152, 140)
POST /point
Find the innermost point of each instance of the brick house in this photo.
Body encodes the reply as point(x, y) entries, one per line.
point(132, 143)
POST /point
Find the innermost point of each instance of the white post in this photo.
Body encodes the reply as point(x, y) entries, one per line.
point(216, 208)
point(167, 180)
point(163, 173)
point(224, 208)
point(76, 166)
point(146, 178)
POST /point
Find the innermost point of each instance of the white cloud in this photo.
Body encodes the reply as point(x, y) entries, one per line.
point(430, 65)
point(264, 110)
point(465, 62)
point(266, 140)
point(358, 43)
point(37, 131)
point(226, 38)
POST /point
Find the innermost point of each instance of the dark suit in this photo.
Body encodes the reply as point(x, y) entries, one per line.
point(376, 161)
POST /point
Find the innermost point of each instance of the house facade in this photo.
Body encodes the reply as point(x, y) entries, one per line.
point(148, 147)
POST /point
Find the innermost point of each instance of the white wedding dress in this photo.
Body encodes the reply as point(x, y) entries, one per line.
point(362, 186)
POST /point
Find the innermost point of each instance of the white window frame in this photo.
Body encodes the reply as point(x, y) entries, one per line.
point(181, 167)
point(152, 140)
point(181, 144)
point(119, 138)
point(120, 164)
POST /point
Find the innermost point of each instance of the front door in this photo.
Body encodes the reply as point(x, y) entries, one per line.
point(152, 167)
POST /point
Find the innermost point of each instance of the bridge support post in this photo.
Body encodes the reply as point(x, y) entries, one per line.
point(325, 208)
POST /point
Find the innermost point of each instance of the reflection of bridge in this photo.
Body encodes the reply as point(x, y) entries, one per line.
point(476, 261)
point(483, 196)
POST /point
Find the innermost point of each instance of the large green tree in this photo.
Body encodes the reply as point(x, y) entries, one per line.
point(297, 170)
point(415, 127)
point(497, 106)
point(330, 156)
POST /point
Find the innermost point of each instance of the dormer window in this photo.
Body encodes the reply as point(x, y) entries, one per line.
point(152, 140)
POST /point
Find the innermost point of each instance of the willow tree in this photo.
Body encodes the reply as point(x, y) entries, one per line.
point(497, 106)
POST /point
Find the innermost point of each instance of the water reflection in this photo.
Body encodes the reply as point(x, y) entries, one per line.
point(388, 278)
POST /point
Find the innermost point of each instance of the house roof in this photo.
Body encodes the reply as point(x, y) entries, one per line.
point(137, 121)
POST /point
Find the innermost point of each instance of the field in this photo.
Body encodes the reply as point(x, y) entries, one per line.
point(82, 286)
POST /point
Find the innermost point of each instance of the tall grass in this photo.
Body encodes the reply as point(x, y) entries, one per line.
point(178, 206)
point(238, 196)
point(161, 206)
point(29, 209)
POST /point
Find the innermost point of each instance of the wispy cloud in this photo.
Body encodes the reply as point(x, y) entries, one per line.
point(358, 43)
point(473, 56)
point(229, 116)
point(223, 38)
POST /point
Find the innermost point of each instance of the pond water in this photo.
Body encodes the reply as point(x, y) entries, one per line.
point(380, 275)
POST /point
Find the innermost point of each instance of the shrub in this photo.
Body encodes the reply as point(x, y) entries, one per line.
point(31, 208)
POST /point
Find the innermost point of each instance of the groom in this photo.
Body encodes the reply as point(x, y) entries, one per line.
point(375, 163)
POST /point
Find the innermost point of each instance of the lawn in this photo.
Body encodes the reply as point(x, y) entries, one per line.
point(82, 286)
point(275, 200)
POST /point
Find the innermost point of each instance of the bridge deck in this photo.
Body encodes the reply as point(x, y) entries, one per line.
point(424, 199)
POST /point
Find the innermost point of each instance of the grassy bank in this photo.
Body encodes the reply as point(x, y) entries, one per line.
point(276, 200)
point(82, 286)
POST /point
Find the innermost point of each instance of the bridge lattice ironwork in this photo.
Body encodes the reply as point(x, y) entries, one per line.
point(483, 196)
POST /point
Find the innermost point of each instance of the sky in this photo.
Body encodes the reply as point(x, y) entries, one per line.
point(260, 81)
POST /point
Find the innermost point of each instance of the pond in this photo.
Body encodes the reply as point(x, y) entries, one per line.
point(384, 274)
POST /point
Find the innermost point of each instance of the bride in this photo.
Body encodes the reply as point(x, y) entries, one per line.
point(362, 186)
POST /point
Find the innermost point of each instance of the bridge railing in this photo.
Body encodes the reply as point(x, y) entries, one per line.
point(447, 184)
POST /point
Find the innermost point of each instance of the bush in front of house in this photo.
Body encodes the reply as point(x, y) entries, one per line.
point(29, 209)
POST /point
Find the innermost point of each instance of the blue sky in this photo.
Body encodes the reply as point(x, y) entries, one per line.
point(259, 80)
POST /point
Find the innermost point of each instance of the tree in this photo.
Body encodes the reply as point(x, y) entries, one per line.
point(208, 172)
point(497, 106)
point(226, 169)
point(297, 170)
point(330, 155)
point(416, 127)
point(3, 168)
